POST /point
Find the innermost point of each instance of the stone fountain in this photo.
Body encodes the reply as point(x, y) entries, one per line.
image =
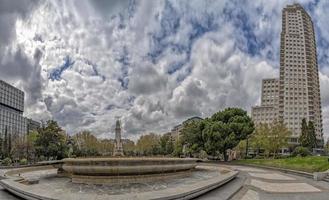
point(117, 178)
point(120, 169)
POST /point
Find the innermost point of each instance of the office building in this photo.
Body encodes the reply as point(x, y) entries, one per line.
point(11, 110)
point(298, 84)
point(12, 121)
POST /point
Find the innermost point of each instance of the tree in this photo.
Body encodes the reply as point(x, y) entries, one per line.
point(192, 136)
point(308, 137)
point(311, 136)
point(30, 144)
point(166, 144)
point(105, 147)
point(304, 132)
point(86, 144)
point(129, 147)
point(270, 138)
point(51, 141)
point(278, 137)
point(178, 148)
point(148, 144)
point(241, 148)
point(259, 139)
point(18, 150)
point(326, 146)
point(225, 130)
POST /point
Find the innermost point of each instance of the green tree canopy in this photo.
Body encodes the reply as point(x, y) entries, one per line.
point(148, 144)
point(223, 131)
point(308, 138)
point(129, 148)
point(166, 144)
point(86, 144)
point(192, 136)
point(51, 141)
point(226, 129)
point(277, 137)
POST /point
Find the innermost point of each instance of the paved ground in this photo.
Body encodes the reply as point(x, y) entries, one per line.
point(258, 184)
point(4, 195)
point(262, 184)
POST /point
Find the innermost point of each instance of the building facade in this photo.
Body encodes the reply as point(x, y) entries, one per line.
point(12, 121)
point(11, 110)
point(32, 125)
point(176, 131)
point(267, 112)
point(298, 87)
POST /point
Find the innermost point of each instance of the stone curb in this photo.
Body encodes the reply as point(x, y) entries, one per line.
point(9, 184)
point(20, 166)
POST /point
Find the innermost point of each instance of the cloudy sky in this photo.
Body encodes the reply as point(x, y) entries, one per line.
point(154, 63)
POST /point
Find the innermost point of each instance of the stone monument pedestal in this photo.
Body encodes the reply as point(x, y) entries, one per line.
point(118, 150)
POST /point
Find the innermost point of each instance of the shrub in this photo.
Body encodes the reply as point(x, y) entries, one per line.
point(6, 162)
point(301, 151)
point(259, 157)
point(23, 161)
point(203, 154)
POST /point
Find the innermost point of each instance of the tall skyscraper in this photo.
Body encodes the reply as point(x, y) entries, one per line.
point(298, 86)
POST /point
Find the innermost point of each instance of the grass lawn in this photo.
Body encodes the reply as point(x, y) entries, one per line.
point(306, 164)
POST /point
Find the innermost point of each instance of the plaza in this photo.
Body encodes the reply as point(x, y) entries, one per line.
point(250, 184)
point(164, 100)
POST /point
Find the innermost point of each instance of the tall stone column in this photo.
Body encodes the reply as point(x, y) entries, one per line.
point(118, 149)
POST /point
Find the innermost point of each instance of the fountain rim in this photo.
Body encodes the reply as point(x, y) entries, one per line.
point(107, 159)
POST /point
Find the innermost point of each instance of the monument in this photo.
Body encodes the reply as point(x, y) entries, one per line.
point(118, 150)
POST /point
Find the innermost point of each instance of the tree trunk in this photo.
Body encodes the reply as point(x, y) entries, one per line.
point(225, 156)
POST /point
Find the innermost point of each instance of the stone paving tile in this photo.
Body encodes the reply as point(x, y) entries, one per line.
point(284, 187)
point(4, 195)
point(271, 176)
point(250, 195)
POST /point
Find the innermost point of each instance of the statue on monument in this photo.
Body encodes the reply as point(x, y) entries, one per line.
point(118, 149)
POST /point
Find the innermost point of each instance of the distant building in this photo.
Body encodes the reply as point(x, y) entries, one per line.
point(268, 110)
point(295, 95)
point(32, 125)
point(12, 121)
point(176, 131)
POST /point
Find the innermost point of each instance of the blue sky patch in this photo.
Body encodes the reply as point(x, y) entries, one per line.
point(56, 74)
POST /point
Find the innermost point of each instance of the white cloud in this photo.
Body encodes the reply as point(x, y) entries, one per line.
point(154, 63)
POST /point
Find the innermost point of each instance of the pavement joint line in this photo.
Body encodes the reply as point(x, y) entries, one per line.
point(254, 195)
point(238, 190)
point(239, 193)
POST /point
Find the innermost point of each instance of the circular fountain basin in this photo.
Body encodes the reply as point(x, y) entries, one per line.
point(109, 170)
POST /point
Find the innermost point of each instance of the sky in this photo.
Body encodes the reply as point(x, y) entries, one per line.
point(152, 63)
